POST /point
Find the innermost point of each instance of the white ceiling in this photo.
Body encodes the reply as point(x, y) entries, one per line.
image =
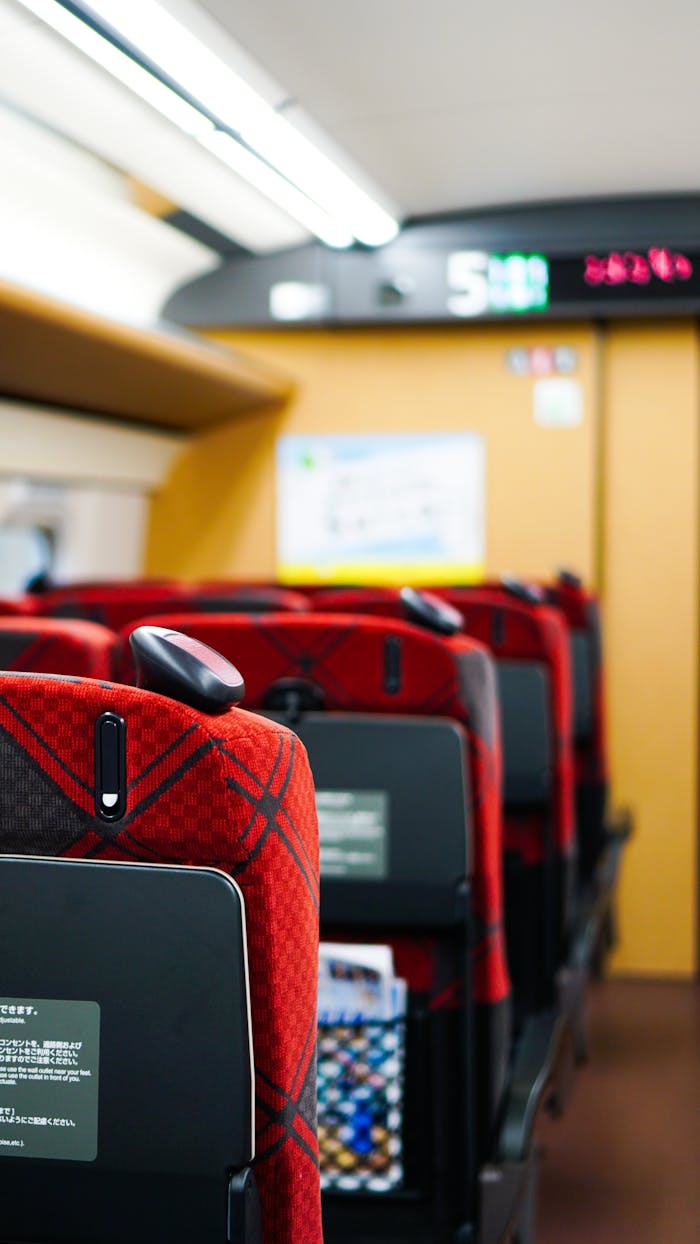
point(452, 104)
point(432, 105)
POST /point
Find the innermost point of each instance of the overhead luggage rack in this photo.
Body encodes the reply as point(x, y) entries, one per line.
point(67, 356)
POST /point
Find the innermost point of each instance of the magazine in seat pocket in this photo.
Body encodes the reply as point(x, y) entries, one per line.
point(361, 1054)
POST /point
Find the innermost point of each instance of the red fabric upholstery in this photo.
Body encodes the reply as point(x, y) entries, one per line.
point(269, 587)
point(112, 606)
point(250, 598)
point(81, 585)
point(231, 791)
point(116, 607)
point(517, 631)
point(344, 658)
point(52, 646)
point(524, 632)
point(539, 900)
point(581, 611)
point(382, 601)
point(19, 606)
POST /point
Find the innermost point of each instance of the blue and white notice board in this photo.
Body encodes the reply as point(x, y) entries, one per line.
point(381, 509)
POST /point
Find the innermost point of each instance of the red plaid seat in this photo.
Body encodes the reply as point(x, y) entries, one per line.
point(581, 612)
point(343, 657)
point(519, 631)
point(17, 606)
point(118, 606)
point(540, 842)
point(524, 632)
point(54, 646)
point(232, 791)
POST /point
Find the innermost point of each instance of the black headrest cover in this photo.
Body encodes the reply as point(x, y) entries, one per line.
point(184, 669)
point(425, 609)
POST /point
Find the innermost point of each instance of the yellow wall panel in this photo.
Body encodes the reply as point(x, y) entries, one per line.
point(540, 481)
point(652, 401)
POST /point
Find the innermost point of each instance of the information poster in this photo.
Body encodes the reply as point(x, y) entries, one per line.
point(381, 509)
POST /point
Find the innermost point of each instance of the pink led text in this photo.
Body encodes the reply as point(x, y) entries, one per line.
point(631, 268)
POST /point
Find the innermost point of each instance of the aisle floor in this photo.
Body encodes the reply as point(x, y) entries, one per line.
point(623, 1165)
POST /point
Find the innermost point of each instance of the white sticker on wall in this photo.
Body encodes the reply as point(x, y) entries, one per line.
point(558, 403)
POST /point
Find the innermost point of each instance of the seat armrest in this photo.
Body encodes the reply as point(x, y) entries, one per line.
point(619, 824)
point(541, 1073)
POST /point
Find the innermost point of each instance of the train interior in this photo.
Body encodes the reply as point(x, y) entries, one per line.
point(349, 623)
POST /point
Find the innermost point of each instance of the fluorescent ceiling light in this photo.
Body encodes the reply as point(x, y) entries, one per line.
point(138, 80)
point(331, 231)
point(159, 38)
point(289, 151)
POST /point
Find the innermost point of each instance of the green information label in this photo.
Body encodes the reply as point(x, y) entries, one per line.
point(354, 833)
point(49, 1078)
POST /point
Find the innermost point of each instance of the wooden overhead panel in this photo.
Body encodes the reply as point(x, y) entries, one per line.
point(54, 353)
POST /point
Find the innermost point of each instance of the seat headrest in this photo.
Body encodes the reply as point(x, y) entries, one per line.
point(430, 611)
point(184, 669)
point(528, 593)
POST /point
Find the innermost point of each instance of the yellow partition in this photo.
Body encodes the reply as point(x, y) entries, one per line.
point(651, 397)
point(218, 514)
